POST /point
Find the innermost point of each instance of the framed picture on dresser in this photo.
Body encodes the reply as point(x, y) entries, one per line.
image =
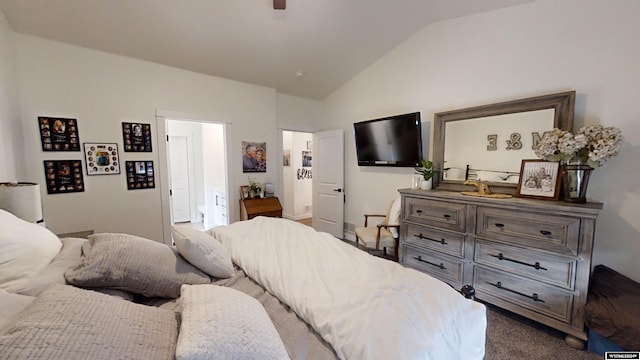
point(539, 179)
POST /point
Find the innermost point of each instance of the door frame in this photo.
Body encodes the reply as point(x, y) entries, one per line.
point(164, 180)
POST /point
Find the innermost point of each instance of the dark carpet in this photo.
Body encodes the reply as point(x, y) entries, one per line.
point(510, 336)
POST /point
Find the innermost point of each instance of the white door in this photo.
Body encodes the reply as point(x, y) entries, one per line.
point(328, 182)
point(179, 160)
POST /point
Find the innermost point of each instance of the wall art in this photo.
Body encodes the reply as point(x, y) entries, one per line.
point(286, 157)
point(254, 157)
point(59, 134)
point(539, 179)
point(306, 159)
point(140, 175)
point(136, 137)
point(101, 158)
point(63, 176)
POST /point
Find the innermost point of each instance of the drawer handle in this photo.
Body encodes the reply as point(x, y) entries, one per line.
point(419, 211)
point(545, 232)
point(537, 266)
point(441, 265)
point(446, 216)
point(499, 225)
point(441, 241)
point(534, 296)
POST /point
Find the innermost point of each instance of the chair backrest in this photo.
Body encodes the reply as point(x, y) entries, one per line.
point(393, 216)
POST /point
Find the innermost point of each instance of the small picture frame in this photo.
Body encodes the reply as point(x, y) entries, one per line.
point(58, 134)
point(63, 176)
point(140, 175)
point(101, 158)
point(539, 179)
point(244, 192)
point(136, 137)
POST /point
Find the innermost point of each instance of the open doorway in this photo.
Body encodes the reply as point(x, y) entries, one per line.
point(197, 173)
point(297, 176)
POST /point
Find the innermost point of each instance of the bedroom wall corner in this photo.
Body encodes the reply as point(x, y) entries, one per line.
point(11, 146)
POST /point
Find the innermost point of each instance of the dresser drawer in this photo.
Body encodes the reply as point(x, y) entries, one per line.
point(551, 269)
point(440, 214)
point(445, 268)
point(549, 232)
point(451, 243)
point(534, 296)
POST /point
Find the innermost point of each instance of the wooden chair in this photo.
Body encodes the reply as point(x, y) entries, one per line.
point(383, 235)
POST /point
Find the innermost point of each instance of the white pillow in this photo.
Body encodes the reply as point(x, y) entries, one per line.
point(223, 323)
point(25, 249)
point(394, 216)
point(203, 251)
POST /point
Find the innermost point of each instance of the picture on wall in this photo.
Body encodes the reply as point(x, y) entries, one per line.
point(254, 157)
point(136, 137)
point(140, 175)
point(63, 176)
point(101, 158)
point(286, 157)
point(306, 158)
point(539, 179)
point(58, 134)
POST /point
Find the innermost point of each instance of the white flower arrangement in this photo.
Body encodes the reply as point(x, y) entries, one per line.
point(591, 145)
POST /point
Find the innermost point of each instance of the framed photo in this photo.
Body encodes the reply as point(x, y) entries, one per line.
point(58, 134)
point(140, 175)
point(63, 176)
point(539, 179)
point(136, 137)
point(101, 158)
point(254, 157)
point(286, 157)
point(244, 192)
point(306, 158)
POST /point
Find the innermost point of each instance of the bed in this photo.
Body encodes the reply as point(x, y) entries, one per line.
point(265, 288)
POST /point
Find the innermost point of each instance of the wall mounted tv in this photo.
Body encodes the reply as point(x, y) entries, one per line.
point(390, 141)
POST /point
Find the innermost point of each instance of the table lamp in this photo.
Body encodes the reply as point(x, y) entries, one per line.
point(22, 199)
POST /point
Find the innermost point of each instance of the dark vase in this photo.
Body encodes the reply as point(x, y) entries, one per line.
point(575, 180)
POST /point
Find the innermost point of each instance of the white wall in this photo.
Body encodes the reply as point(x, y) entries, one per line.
point(102, 90)
point(548, 46)
point(11, 154)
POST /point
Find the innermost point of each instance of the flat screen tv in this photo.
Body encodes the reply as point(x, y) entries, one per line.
point(390, 141)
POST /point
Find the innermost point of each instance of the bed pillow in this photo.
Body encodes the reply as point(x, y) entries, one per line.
point(65, 322)
point(223, 323)
point(26, 248)
point(134, 264)
point(203, 251)
point(53, 273)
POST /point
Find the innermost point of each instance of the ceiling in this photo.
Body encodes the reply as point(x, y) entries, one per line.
point(308, 50)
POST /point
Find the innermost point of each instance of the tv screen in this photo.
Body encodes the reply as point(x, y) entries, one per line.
point(390, 141)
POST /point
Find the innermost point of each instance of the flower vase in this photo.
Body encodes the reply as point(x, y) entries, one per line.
point(575, 179)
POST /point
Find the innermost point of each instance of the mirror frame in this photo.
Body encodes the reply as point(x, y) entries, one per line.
point(563, 103)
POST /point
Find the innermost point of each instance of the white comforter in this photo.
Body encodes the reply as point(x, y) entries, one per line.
point(366, 307)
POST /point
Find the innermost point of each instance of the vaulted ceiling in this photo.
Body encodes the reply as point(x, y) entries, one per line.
point(309, 49)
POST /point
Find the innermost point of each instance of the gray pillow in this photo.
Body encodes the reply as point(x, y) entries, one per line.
point(69, 323)
point(203, 251)
point(134, 264)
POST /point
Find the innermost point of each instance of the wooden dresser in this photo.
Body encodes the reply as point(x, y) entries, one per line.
point(250, 208)
point(531, 257)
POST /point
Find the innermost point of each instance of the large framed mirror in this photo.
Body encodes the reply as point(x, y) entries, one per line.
point(489, 142)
